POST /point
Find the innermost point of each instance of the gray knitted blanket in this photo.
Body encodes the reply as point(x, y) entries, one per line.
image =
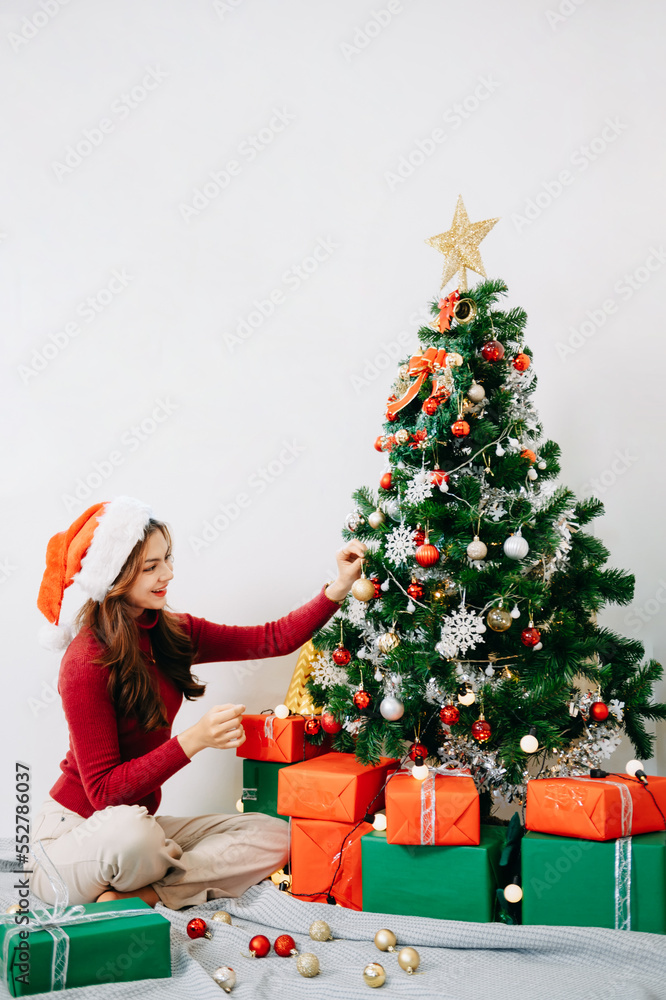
point(459, 961)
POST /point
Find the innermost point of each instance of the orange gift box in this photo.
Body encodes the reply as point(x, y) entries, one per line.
point(279, 740)
point(443, 809)
point(595, 808)
point(315, 852)
point(332, 787)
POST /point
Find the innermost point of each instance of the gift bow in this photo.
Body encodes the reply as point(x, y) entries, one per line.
point(53, 920)
point(446, 307)
point(420, 366)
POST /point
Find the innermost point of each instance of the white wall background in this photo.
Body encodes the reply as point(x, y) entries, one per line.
point(538, 86)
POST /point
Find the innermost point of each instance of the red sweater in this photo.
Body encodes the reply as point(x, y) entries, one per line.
point(111, 760)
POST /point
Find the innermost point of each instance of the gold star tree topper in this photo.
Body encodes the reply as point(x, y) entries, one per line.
point(460, 245)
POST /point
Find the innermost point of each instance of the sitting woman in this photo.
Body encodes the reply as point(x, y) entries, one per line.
point(122, 680)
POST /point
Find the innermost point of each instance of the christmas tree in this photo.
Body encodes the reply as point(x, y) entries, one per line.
point(473, 639)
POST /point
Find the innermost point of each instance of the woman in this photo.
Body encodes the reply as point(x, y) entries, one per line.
point(122, 681)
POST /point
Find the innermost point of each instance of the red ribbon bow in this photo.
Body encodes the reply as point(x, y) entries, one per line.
point(420, 366)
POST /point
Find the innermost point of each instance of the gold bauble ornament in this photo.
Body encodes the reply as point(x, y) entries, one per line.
point(499, 619)
point(454, 360)
point(460, 245)
point(320, 931)
point(223, 917)
point(409, 959)
point(376, 518)
point(14, 908)
point(476, 392)
point(402, 436)
point(363, 589)
point(403, 371)
point(225, 977)
point(374, 975)
point(385, 940)
point(387, 641)
point(308, 965)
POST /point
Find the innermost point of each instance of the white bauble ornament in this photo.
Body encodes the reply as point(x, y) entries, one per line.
point(515, 611)
point(376, 518)
point(532, 474)
point(515, 547)
point(542, 465)
point(225, 977)
point(391, 709)
point(476, 549)
point(476, 392)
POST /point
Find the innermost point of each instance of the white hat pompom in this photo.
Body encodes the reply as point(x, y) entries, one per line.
point(55, 637)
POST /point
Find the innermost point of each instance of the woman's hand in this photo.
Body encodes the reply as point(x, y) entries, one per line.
point(350, 562)
point(221, 728)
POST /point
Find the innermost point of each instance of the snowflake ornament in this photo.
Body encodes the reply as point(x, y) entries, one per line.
point(461, 630)
point(325, 673)
point(420, 487)
point(354, 611)
point(400, 545)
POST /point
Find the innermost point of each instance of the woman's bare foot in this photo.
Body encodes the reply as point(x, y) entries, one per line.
point(146, 893)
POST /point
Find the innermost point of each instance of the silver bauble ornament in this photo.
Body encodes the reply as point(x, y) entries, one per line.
point(476, 392)
point(391, 709)
point(225, 977)
point(392, 508)
point(353, 520)
point(515, 546)
point(308, 965)
point(376, 518)
point(476, 549)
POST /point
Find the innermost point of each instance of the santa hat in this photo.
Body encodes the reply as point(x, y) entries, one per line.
point(91, 552)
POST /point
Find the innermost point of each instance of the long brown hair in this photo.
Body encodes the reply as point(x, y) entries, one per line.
point(130, 683)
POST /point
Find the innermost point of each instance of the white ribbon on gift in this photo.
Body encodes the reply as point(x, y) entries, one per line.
point(268, 727)
point(52, 921)
point(622, 855)
point(428, 803)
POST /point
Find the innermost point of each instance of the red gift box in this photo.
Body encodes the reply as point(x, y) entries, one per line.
point(315, 853)
point(332, 787)
point(595, 808)
point(279, 740)
point(442, 809)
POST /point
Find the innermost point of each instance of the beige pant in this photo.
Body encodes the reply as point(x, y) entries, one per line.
point(187, 860)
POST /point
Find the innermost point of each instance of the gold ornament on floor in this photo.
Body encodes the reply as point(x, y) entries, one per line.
point(363, 589)
point(409, 960)
point(460, 245)
point(374, 975)
point(385, 940)
point(387, 642)
point(307, 965)
point(222, 917)
point(320, 931)
point(225, 977)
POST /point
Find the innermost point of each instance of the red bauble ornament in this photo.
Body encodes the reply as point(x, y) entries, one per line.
point(417, 749)
point(460, 429)
point(259, 946)
point(449, 715)
point(431, 406)
point(361, 699)
point(419, 537)
point(438, 476)
point(377, 585)
point(529, 455)
point(599, 711)
point(521, 362)
point(341, 656)
point(379, 443)
point(391, 417)
point(385, 481)
point(198, 928)
point(312, 726)
point(285, 946)
point(530, 636)
point(330, 724)
point(415, 590)
point(427, 555)
point(493, 350)
point(481, 730)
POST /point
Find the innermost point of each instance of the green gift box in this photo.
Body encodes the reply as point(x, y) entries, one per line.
point(588, 883)
point(452, 883)
point(260, 787)
point(118, 949)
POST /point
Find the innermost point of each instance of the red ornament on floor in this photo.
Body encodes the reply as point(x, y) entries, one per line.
point(259, 946)
point(417, 749)
point(385, 481)
point(530, 636)
point(198, 928)
point(449, 715)
point(330, 724)
point(460, 429)
point(493, 350)
point(427, 555)
point(361, 699)
point(521, 362)
point(285, 946)
point(312, 726)
point(599, 711)
point(341, 656)
point(481, 730)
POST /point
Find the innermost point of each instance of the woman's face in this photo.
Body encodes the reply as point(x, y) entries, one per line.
point(149, 590)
